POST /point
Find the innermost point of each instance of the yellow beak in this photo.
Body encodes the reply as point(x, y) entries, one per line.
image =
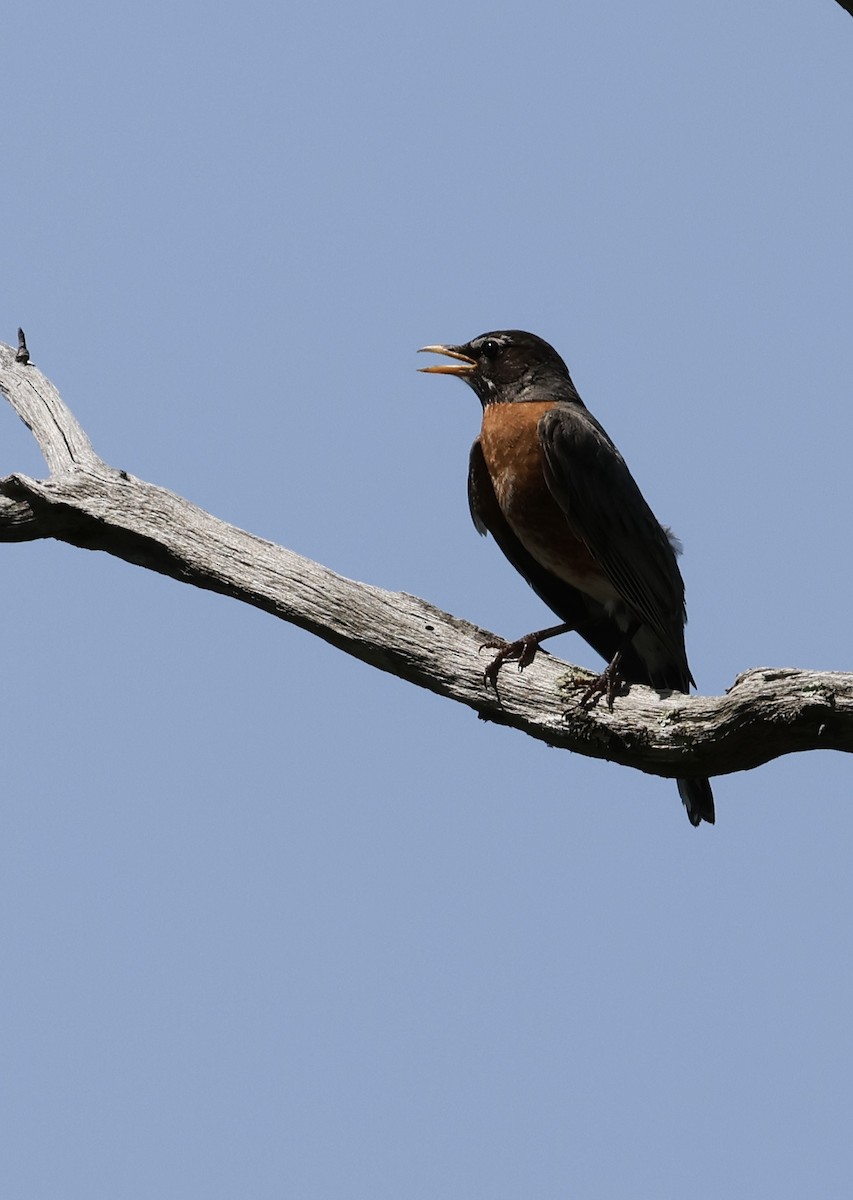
point(463, 366)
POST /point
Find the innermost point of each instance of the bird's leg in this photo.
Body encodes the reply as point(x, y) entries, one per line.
point(522, 650)
point(606, 683)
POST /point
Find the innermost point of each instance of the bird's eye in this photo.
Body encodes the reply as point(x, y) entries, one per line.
point(489, 348)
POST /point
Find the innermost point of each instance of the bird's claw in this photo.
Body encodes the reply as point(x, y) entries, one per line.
point(522, 651)
point(605, 684)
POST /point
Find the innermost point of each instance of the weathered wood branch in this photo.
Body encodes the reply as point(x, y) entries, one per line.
point(90, 504)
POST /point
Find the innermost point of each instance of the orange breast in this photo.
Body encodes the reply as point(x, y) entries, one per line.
point(513, 454)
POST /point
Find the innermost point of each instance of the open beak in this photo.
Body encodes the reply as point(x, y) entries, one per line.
point(462, 367)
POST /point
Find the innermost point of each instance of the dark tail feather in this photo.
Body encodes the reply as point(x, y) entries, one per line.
point(698, 799)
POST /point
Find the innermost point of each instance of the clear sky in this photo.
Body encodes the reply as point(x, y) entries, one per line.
point(274, 924)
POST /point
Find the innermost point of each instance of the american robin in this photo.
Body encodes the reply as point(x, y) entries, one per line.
point(554, 492)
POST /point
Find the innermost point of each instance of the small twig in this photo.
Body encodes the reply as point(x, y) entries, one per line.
point(23, 355)
point(59, 435)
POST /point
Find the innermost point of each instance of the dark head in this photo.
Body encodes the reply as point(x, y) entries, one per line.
point(508, 365)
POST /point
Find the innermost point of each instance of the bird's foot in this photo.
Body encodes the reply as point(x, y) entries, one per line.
point(521, 651)
point(606, 684)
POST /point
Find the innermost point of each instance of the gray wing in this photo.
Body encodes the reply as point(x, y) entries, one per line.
point(590, 481)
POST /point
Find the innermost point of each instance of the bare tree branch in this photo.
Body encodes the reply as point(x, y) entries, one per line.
point(847, 6)
point(87, 503)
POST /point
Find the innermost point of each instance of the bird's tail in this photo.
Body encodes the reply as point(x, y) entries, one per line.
point(698, 799)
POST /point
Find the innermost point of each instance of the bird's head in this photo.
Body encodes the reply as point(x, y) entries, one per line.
point(508, 365)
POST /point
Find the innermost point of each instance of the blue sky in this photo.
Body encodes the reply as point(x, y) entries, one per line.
point(274, 924)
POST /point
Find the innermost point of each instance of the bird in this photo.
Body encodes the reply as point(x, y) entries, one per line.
point(550, 486)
